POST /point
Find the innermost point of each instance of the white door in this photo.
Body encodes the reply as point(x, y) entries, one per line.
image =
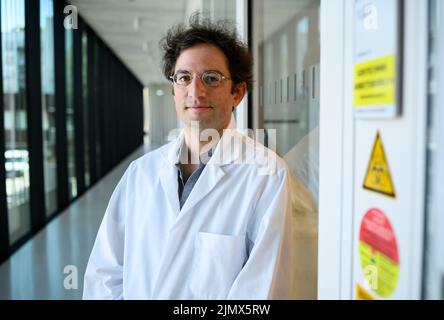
point(372, 170)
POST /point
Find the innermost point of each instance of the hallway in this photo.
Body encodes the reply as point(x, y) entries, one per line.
point(36, 270)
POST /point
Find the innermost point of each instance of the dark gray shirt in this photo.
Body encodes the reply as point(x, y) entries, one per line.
point(184, 189)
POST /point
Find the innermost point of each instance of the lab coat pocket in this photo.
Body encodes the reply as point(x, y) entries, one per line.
point(218, 260)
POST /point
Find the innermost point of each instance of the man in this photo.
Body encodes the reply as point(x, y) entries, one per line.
point(199, 218)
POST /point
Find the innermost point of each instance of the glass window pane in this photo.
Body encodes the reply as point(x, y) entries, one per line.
point(85, 105)
point(97, 102)
point(286, 103)
point(48, 104)
point(217, 10)
point(69, 61)
point(15, 123)
point(288, 52)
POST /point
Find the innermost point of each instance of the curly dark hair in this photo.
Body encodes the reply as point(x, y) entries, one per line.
point(221, 34)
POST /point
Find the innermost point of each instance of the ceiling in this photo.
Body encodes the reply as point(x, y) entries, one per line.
point(133, 28)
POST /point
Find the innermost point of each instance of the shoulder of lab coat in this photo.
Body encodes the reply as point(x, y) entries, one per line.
point(267, 273)
point(282, 263)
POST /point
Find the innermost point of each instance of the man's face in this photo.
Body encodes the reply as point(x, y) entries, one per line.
point(211, 106)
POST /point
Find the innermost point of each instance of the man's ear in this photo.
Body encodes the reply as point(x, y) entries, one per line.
point(239, 92)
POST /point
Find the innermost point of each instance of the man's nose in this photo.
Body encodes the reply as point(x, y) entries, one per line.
point(196, 88)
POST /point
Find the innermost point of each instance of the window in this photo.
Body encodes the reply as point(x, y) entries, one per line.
point(286, 47)
point(85, 105)
point(69, 61)
point(15, 122)
point(288, 73)
point(97, 114)
point(48, 104)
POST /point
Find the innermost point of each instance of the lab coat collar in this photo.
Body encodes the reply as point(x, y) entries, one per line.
point(183, 155)
point(210, 177)
point(223, 153)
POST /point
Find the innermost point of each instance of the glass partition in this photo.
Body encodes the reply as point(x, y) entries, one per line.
point(287, 51)
point(69, 60)
point(85, 106)
point(48, 104)
point(15, 117)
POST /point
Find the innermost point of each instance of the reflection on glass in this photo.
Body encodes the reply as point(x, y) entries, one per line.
point(48, 104)
point(69, 60)
point(98, 145)
point(288, 83)
point(287, 52)
point(85, 105)
point(216, 9)
point(15, 124)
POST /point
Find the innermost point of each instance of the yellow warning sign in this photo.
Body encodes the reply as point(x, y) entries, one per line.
point(362, 294)
point(378, 177)
point(375, 82)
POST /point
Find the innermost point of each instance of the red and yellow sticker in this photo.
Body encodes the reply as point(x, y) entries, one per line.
point(378, 250)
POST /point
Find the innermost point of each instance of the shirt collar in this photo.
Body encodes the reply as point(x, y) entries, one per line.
point(217, 156)
point(182, 155)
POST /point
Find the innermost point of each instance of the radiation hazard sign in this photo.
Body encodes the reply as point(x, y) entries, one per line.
point(378, 177)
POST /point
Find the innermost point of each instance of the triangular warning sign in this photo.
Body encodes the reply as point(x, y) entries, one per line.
point(378, 177)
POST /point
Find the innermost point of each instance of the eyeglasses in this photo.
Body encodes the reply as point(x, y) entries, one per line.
point(210, 78)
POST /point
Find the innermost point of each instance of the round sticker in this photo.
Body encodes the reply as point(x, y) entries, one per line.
point(378, 250)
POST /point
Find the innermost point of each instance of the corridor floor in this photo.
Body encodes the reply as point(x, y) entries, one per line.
point(51, 265)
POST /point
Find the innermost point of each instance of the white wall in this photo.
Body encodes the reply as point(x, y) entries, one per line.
point(162, 115)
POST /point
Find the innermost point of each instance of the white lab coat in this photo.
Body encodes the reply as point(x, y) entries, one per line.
point(230, 240)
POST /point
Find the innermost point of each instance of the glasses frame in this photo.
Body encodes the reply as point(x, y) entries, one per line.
point(193, 74)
